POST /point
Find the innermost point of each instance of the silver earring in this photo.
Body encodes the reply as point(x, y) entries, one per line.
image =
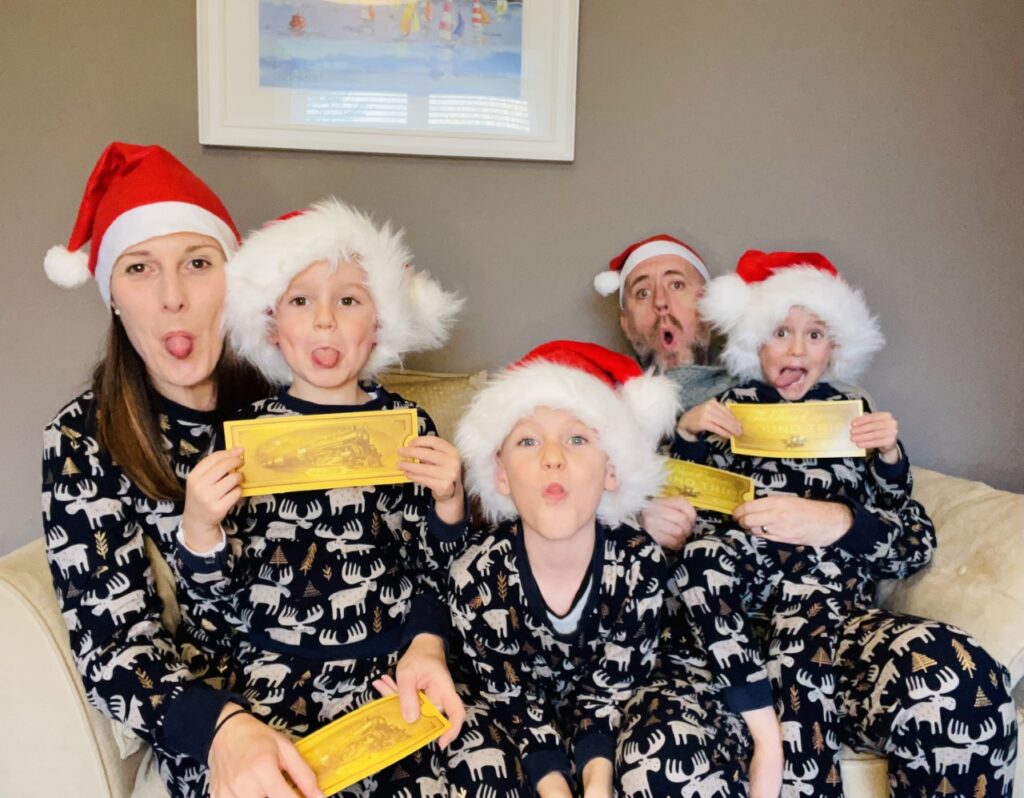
point(117, 312)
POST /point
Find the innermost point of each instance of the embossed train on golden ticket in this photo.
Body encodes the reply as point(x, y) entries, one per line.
point(801, 429)
point(336, 450)
point(707, 488)
point(363, 742)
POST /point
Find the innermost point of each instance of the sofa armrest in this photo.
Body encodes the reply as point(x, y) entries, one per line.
point(976, 580)
point(52, 742)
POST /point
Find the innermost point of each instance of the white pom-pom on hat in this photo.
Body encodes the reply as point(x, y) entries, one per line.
point(66, 268)
point(606, 283)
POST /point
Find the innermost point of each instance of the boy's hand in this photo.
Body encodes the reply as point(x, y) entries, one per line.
point(710, 416)
point(669, 521)
point(877, 431)
point(423, 667)
point(440, 470)
point(212, 488)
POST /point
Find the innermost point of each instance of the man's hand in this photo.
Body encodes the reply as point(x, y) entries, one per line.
point(212, 488)
point(440, 470)
point(248, 759)
point(710, 416)
point(790, 519)
point(877, 431)
point(669, 520)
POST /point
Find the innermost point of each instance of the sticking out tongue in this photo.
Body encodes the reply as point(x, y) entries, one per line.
point(789, 376)
point(326, 357)
point(179, 346)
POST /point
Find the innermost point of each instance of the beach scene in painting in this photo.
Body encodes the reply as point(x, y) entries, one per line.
point(415, 48)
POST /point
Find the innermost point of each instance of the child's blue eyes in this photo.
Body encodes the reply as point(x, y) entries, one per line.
point(345, 301)
point(572, 440)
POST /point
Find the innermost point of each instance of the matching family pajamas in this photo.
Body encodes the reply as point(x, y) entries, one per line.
point(794, 626)
point(544, 694)
point(329, 587)
point(166, 686)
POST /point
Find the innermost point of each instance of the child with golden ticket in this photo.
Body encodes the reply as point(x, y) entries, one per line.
point(555, 608)
point(333, 588)
point(781, 595)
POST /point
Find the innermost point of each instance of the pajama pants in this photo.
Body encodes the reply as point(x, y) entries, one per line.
point(484, 762)
point(921, 693)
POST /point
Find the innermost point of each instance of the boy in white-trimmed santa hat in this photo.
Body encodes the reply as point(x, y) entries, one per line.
point(819, 533)
point(556, 608)
point(340, 588)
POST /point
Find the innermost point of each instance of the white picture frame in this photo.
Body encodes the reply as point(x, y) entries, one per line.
point(257, 88)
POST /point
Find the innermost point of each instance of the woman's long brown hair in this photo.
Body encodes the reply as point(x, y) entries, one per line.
point(126, 418)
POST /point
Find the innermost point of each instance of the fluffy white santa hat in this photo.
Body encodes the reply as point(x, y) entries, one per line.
point(747, 307)
point(413, 312)
point(613, 279)
point(135, 193)
point(631, 411)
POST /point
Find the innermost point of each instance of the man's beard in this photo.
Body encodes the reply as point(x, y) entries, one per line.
point(647, 352)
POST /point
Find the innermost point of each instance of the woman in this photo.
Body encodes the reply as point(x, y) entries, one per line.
point(114, 460)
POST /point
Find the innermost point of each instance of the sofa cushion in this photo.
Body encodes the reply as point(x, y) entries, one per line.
point(976, 580)
point(443, 396)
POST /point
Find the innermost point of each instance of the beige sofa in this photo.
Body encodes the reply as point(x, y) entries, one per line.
point(53, 743)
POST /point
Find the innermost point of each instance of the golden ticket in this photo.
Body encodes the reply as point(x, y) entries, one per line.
point(363, 742)
point(708, 488)
point(803, 429)
point(337, 450)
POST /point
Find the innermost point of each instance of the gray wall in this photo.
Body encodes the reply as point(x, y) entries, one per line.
point(887, 135)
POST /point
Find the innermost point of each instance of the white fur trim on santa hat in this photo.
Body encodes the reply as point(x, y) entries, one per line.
point(629, 426)
point(747, 314)
point(66, 268)
point(413, 312)
point(608, 282)
point(157, 219)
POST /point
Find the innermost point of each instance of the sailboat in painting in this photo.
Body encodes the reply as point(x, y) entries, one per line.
point(410, 22)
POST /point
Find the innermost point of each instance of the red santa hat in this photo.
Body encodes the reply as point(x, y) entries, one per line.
point(133, 194)
point(619, 268)
point(747, 307)
point(631, 411)
point(413, 312)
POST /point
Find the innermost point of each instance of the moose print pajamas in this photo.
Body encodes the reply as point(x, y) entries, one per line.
point(796, 626)
point(165, 685)
point(330, 586)
point(544, 694)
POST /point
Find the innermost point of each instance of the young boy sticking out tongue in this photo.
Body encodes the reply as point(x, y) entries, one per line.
point(781, 597)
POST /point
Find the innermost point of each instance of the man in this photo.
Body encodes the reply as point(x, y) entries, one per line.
point(659, 281)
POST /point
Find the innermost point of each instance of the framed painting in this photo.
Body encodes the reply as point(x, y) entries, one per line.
point(463, 78)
